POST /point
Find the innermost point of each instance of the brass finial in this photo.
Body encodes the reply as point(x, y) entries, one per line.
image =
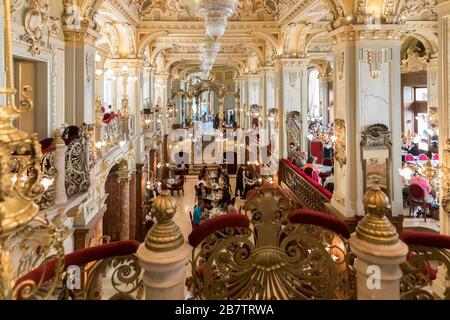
point(376, 227)
point(57, 137)
point(165, 234)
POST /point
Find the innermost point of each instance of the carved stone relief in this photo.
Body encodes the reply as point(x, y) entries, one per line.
point(39, 25)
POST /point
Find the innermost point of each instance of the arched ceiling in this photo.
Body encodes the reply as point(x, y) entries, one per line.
point(170, 31)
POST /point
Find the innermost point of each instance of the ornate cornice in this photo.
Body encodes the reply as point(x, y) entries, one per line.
point(293, 9)
point(363, 32)
point(292, 62)
point(125, 10)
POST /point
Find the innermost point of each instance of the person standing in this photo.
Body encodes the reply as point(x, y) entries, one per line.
point(240, 182)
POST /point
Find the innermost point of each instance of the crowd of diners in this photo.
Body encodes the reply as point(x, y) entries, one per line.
point(214, 194)
point(320, 173)
point(420, 193)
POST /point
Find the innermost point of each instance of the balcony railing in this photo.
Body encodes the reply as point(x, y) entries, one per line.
point(308, 193)
point(70, 156)
point(105, 272)
point(270, 252)
point(427, 267)
point(297, 255)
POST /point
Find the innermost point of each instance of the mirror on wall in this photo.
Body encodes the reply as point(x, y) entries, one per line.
point(376, 157)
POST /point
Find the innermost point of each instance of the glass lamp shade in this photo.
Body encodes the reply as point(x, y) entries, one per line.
point(206, 68)
point(215, 26)
point(208, 58)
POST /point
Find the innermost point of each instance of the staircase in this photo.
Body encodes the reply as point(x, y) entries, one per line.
point(194, 170)
point(208, 160)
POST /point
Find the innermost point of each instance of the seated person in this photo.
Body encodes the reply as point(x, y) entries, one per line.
point(204, 172)
point(425, 184)
point(201, 180)
point(330, 179)
point(198, 210)
point(226, 198)
point(221, 180)
point(231, 206)
point(311, 163)
point(414, 149)
point(202, 192)
point(207, 205)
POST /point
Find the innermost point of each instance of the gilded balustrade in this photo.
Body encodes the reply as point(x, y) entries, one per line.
point(428, 262)
point(113, 278)
point(48, 167)
point(273, 258)
point(77, 166)
point(112, 132)
point(303, 191)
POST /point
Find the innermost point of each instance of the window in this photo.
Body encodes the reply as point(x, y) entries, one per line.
point(421, 94)
point(314, 94)
point(422, 125)
point(108, 92)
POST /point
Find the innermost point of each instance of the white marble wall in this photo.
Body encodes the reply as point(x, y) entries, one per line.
point(363, 98)
point(271, 84)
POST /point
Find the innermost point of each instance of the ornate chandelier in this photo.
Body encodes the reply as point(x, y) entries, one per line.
point(216, 13)
point(208, 51)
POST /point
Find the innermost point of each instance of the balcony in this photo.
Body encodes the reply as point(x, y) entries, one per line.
point(75, 161)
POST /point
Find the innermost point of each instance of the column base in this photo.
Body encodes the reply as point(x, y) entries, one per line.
point(165, 272)
point(378, 269)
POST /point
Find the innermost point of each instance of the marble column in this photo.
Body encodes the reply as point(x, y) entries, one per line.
point(254, 94)
point(133, 205)
point(443, 12)
point(324, 98)
point(80, 74)
point(140, 197)
point(111, 218)
point(270, 92)
point(367, 90)
point(244, 99)
point(292, 95)
point(124, 192)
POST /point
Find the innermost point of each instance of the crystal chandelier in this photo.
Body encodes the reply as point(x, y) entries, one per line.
point(208, 51)
point(216, 13)
point(208, 54)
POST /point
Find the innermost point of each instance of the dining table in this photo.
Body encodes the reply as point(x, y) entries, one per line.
point(172, 181)
point(215, 212)
point(324, 169)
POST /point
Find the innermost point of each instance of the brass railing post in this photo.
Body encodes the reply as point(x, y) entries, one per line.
point(164, 254)
point(379, 251)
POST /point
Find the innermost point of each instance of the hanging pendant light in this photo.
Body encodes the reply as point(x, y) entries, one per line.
point(216, 13)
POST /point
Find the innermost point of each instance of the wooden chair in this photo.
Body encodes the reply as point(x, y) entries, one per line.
point(409, 158)
point(417, 199)
point(328, 162)
point(309, 171)
point(192, 220)
point(330, 187)
point(178, 187)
